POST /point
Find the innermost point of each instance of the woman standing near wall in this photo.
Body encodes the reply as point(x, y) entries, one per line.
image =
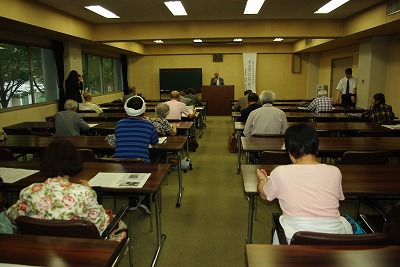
point(74, 86)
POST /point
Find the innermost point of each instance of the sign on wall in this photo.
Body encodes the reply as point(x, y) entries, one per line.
point(249, 68)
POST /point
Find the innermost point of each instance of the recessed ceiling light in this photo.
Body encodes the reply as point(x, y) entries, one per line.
point(158, 41)
point(330, 6)
point(176, 8)
point(278, 39)
point(197, 41)
point(253, 6)
point(102, 12)
point(237, 39)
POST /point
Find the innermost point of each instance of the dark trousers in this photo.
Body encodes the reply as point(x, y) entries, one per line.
point(346, 100)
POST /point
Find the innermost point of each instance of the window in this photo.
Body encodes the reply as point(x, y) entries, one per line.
point(27, 75)
point(101, 74)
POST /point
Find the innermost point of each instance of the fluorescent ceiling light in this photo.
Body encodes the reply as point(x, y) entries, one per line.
point(333, 4)
point(253, 6)
point(197, 41)
point(176, 8)
point(158, 41)
point(278, 39)
point(237, 39)
point(102, 12)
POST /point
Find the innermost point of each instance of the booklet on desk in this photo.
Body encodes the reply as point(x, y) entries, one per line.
point(161, 140)
point(119, 180)
point(392, 127)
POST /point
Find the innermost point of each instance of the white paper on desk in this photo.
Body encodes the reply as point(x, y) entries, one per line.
point(303, 108)
point(16, 265)
point(392, 127)
point(12, 175)
point(91, 125)
point(119, 180)
point(161, 140)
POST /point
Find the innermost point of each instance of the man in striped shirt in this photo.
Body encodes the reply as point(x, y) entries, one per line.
point(267, 119)
point(134, 134)
point(321, 103)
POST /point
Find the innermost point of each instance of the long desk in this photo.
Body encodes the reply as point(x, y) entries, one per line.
point(357, 180)
point(332, 256)
point(337, 129)
point(328, 146)
point(37, 144)
point(90, 169)
point(57, 251)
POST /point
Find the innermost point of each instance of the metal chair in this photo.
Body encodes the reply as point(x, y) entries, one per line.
point(274, 158)
point(365, 158)
point(314, 238)
point(73, 228)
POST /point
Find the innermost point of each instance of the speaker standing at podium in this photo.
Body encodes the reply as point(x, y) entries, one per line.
point(216, 80)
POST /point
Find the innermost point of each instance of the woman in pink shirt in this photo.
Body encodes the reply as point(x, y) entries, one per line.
point(308, 191)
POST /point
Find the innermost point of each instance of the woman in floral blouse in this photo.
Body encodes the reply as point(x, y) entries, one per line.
point(163, 127)
point(57, 198)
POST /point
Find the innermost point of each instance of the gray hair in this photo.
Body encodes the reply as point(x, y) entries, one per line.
point(162, 110)
point(322, 92)
point(70, 104)
point(87, 96)
point(267, 97)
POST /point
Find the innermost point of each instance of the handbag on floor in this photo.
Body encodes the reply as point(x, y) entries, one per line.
point(232, 143)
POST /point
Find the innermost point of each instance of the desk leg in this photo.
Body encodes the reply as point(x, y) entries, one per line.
point(249, 238)
point(187, 142)
point(180, 192)
point(160, 237)
point(239, 147)
point(201, 124)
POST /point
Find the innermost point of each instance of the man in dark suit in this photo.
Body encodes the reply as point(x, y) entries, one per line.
point(216, 80)
point(253, 104)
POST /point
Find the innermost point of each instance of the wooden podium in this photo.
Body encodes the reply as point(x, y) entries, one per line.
point(218, 97)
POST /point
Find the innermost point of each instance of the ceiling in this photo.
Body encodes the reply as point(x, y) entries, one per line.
point(206, 10)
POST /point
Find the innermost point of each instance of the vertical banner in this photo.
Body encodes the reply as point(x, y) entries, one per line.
point(249, 68)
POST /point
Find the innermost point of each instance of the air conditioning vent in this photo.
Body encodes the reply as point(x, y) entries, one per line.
point(393, 7)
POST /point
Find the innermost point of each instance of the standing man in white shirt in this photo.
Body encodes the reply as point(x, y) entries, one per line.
point(347, 89)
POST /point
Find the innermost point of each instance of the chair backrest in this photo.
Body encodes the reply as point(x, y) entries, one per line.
point(313, 238)
point(394, 227)
point(87, 155)
point(6, 154)
point(369, 133)
point(365, 158)
point(274, 158)
point(62, 228)
point(122, 160)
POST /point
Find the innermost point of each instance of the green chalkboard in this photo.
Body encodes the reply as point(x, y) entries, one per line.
point(180, 79)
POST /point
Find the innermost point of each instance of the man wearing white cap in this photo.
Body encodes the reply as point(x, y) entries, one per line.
point(135, 133)
point(133, 136)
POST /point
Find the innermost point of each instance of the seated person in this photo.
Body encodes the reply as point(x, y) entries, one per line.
point(184, 99)
point(321, 103)
point(57, 198)
point(163, 127)
point(379, 111)
point(194, 99)
point(242, 101)
point(251, 105)
point(133, 136)
point(88, 105)
point(68, 122)
point(308, 191)
point(266, 119)
point(177, 108)
point(132, 92)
